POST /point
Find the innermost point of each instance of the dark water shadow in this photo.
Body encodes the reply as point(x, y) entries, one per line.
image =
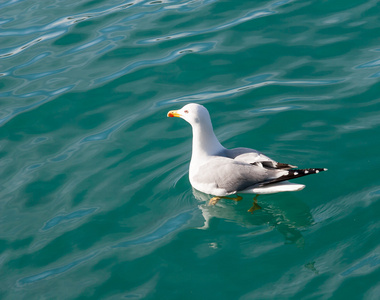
point(286, 213)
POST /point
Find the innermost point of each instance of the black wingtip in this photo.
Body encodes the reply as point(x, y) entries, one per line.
point(303, 172)
point(295, 173)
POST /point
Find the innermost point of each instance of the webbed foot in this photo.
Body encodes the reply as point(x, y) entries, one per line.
point(255, 206)
point(214, 200)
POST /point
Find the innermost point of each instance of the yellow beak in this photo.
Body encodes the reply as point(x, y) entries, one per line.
point(173, 113)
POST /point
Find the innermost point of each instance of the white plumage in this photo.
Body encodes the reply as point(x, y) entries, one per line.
point(219, 171)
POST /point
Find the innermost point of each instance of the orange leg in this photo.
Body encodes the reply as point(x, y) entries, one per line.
point(255, 206)
point(215, 199)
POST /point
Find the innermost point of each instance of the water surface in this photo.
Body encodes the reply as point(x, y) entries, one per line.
point(95, 199)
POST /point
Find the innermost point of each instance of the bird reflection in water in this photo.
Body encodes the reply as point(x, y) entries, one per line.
point(254, 207)
point(288, 216)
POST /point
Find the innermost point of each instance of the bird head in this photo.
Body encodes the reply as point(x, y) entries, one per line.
point(192, 113)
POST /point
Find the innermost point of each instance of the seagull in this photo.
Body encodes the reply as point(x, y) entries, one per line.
point(220, 172)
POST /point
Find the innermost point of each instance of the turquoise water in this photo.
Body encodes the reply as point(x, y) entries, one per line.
point(95, 198)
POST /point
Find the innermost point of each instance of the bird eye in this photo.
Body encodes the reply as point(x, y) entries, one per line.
point(186, 111)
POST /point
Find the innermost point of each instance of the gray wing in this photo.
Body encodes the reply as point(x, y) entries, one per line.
point(233, 175)
point(254, 157)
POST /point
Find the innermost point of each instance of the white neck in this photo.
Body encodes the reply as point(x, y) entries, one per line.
point(205, 143)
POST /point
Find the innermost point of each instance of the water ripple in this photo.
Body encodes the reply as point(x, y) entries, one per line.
point(46, 96)
point(105, 134)
point(372, 262)
point(11, 2)
point(68, 217)
point(169, 226)
point(67, 21)
point(257, 13)
point(55, 271)
point(17, 50)
point(258, 81)
point(57, 27)
point(187, 5)
point(249, 16)
point(192, 48)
